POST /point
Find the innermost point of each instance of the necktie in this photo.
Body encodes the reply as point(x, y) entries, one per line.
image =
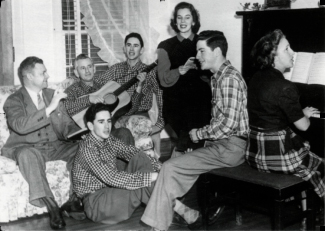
point(41, 103)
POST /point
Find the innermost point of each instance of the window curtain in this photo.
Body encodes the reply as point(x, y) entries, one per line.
point(109, 21)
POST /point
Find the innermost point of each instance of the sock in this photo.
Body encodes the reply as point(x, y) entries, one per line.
point(189, 215)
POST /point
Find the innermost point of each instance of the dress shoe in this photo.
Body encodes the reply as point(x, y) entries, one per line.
point(56, 220)
point(215, 214)
point(73, 208)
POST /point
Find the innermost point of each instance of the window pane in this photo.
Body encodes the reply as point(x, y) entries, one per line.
point(70, 53)
point(68, 15)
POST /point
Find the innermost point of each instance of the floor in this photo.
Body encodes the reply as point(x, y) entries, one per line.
point(252, 218)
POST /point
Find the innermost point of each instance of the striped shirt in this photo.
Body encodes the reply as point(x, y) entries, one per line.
point(229, 105)
point(95, 166)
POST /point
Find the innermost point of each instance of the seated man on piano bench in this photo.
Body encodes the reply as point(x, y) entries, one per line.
point(141, 93)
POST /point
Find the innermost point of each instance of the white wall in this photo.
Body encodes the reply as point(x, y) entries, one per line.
point(35, 33)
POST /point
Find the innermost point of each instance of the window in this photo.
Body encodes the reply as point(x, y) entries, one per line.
point(77, 40)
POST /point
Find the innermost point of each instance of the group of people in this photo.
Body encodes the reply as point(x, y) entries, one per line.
point(219, 122)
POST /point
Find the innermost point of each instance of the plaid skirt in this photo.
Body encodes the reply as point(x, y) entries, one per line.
point(284, 151)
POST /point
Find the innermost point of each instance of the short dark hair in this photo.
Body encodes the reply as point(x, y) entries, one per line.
point(214, 39)
point(264, 50)
point(79, 57)
point(27, 66)
point(195, 14)
point(92, 111)
point(134, 35)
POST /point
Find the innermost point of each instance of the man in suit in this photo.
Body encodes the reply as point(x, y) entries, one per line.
point(39, 125)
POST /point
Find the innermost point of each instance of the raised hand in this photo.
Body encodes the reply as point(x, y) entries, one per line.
point(58, 95)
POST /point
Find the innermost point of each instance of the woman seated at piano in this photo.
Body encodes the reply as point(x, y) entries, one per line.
point(273, 104)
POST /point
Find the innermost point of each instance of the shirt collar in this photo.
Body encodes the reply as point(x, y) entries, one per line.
point(87, 87)
point(137, 66)
point(94, 141)
point(33, 95)
point(221, 69)
point(181, 38)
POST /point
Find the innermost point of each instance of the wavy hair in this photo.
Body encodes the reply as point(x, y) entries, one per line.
point(195, 14)
point(265, 49)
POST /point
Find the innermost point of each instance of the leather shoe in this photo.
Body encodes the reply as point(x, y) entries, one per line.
point(74, 208)
point(213, 216)
point(56, 220)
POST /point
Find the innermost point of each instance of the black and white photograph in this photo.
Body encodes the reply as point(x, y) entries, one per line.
point(159, 115)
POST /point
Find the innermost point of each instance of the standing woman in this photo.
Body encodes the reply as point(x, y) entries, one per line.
point(273, 104)
point(186, 97)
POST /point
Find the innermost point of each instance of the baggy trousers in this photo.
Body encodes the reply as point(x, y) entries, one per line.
point(179, 174)
point(112, 205)
point(32, 165)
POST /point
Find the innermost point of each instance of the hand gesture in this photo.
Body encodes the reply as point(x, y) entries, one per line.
point(58, 95)
point(65, 83)
point(96, 99)
point(183, 69)
point(141, 77)
point(310, 111)
point(193, 136)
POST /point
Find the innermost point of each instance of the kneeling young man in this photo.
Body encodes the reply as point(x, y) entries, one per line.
point(110, 195)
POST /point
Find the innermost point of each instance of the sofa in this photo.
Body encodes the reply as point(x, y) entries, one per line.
point(14, 199)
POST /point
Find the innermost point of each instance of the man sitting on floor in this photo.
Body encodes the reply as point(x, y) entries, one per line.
point(39, 125)
point(110, 195)
point(227, 133)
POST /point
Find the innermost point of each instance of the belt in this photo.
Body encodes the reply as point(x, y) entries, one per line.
point(258, 129)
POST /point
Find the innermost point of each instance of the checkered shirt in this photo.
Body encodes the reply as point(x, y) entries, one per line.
point(122, 72)
point(74, 103)
point(229, 105)
point(95, 166)
point(283, 151)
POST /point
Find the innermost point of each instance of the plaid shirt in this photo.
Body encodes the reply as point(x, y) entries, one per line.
point(122, 72)
point(95, 166)
point(229, 105)
point(74, 104)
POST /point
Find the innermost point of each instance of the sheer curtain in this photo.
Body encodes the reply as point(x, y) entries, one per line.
point(109, 21)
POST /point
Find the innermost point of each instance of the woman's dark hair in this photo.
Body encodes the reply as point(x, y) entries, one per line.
point(195, 15)
point(265, 49)
point(92, 111)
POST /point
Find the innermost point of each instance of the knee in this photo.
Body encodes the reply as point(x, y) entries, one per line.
point(25, 155)
point(123, 134)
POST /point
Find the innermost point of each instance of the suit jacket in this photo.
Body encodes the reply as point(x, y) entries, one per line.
point(25, 121)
